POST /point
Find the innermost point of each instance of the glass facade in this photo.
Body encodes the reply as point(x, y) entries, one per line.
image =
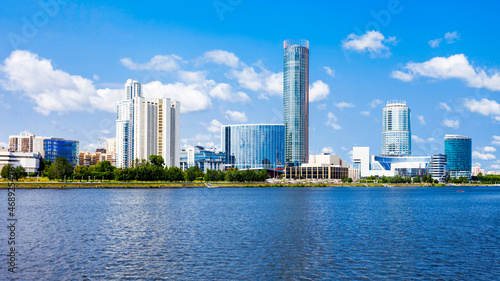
point(205, 159)
point(68, 149)
point(254, 146)
point(396, 131)
point(458, 150)
point(296, 101)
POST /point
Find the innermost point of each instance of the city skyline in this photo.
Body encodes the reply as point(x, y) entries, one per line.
point(446, 73)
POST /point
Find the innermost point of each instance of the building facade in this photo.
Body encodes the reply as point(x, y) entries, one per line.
point(28, 160)
point(21, 143)
point(319, 167)
point(458, 150)
point(169, 131)
point(259, 146)
point(145, 128)
point(396, 131)
point(125, 124)
point(437, 167)
point(53, 148)
point(205, 159)
point(296, 101)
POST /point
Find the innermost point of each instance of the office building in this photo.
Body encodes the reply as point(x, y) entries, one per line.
point(258, 146)
point(458, 150)
point(169, 131)
point(296, 101)
point(125, 124)
point(389, 166)
point(396, 132)
point(53, 148)
point(319, 167)
point(21, 143)
point(145, 128)
point(203, 158)
point(437, 167)
point(28, 160)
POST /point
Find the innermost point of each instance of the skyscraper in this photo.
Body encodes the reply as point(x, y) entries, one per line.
point(169, 134)
point(396, 131)
point(125, 125)
point(296, 101)
point(458, 150)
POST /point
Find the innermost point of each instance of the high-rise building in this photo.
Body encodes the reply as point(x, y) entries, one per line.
point(125, 125)
point(437, 167)
point(458, 150)
point(53, 148)
point(296, 101)
point(21, 143)
point(146, 127)
point(254, 146)
point(111, 145)
point(396, 131)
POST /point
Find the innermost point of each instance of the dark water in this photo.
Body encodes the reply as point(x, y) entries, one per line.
point(256, 234)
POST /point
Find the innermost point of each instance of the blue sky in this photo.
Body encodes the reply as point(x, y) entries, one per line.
point(63, 66)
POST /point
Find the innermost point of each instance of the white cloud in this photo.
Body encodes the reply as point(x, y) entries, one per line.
point(365, 113)
point(489, 149)
point(224, 92)
point(375, 103)
point(328, 150)
point(484, 107)
point(495, 167)
point(191, 96)
point(321, 106)
point(373, 42)
point(451, 37)
point(192, 76)
point(416, 138)
point(96, 78)
point(453, 67)
point(329, 71)
point(344, 104)
point(435, 43)
point(222, 57)
point(157, 63)
point(432, 140)
point(421, 119)
point(318, 91)
point(496, 140)
point(236, 116)
point(215, 126)
point(483, 156)
point(332, 121)
point(444, 106)
point(455, 124)
point(265, 81)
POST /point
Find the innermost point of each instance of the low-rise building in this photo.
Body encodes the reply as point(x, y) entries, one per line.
point(324, 166)
point(437, 167)
point(29, 161)
point(205, 159)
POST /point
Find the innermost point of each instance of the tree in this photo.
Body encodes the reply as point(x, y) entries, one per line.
point(7, 170)
point(349, 180)
point(192, 173)
point(175, 174)
point(157, 160)
point(60, 169)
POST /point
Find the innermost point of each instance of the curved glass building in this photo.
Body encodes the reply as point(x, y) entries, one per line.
point(396, 132)
point(458, 150)
point(254, 146)
point(296, 101)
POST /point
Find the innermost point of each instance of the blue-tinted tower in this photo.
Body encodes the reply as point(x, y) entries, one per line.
point(458, 150)
point(296, 101)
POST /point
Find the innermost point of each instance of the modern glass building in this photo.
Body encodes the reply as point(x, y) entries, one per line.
point(205, 159)
point(296, 101)
point(54, 148)
point(254, 146)
point(396, 131)
point(458, 150)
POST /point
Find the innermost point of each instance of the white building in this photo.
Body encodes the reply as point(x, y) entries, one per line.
point(396, 129)
point(437, 167)
point(111, 145)
point(146, 128)
point(389, 166)
point(21, 143)
point(30, 161)
point(476, 171)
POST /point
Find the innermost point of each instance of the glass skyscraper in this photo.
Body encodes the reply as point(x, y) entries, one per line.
point(53, 148)
point(396, 131)
point(458, 150)
point(254, 146)
point(296, 101)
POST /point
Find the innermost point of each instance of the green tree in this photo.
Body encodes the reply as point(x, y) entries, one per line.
point(60, 169)
point(192, 173)
point(175, 174)
point(157, 160)
point(349, 180)
point(7, 170)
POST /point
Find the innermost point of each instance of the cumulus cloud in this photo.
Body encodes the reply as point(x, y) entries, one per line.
point(496, 140)
point(483, 156)
point(416, 138)
point(214, 126)
point(453, 67)
point(444, 106)
point(157, 63)
point(225, 92)
point(450, 38)
point(372, 42)
point(192, 96)
point(222, 57)
point(318, 91)
point(236, 116)
point(263, 81)
point(375, 103)
point(328, 150)
point(329, 71)
point(365, 113)
point(435, 43)
point(489, 149)
point(421, 119)
point(344, 104)
point(332, 121)
point(455, 124)
point(484, 107)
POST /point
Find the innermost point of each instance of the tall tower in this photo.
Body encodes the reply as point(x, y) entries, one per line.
point(396, 132)
point(458, 150)
point(169, 136)
point(296, 101)
point(125, 125)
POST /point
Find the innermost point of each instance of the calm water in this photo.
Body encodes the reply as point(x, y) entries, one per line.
point(256, 234)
